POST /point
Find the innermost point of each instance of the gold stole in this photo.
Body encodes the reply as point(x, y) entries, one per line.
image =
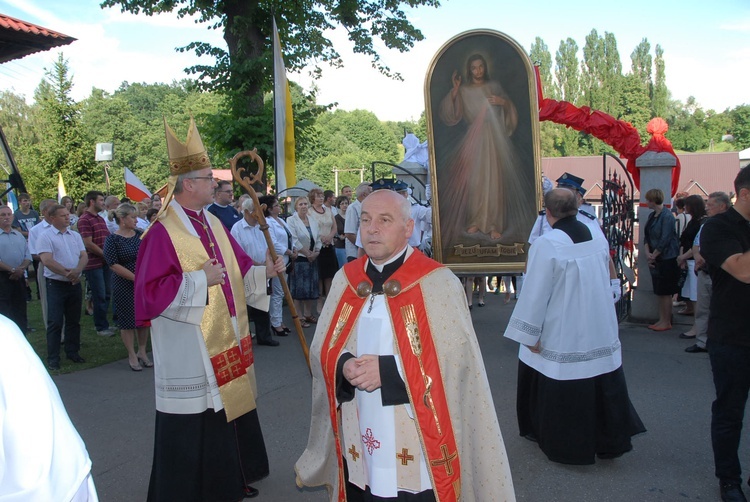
point(423, 377)
point(231, 353)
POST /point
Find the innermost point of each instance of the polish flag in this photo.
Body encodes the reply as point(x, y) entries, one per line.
point(135, 190)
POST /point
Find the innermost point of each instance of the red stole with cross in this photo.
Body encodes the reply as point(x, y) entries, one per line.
point(419, 358)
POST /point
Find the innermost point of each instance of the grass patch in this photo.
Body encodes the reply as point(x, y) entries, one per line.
point(95, 349)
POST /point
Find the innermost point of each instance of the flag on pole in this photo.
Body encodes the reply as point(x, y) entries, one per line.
point(135, 190)
point(60, 188)
point(283, 120)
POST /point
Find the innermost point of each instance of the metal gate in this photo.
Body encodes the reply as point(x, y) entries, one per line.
point(618, 221)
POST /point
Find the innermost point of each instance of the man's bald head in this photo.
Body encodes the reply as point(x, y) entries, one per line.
point(561, 202)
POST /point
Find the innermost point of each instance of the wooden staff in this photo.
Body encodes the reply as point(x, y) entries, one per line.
point(247, 179)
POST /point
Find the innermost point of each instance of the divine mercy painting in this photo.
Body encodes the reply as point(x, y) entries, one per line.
point(483, 122)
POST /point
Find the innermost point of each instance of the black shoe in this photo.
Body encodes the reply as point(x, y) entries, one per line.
point(270, 343)
point(731, 492)
point(685, 336)
point(694, 349)
point(76, 358)
point(471, 307)
point(281, 332)
point(251, 492)
point(53, 366)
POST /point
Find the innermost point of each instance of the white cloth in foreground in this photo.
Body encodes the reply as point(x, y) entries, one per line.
point(42, 457)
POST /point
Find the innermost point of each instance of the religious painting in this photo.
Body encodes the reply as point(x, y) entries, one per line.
point(485, 165)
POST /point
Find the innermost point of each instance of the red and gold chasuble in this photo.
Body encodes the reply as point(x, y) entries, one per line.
point(423, 377)
point(231, 360)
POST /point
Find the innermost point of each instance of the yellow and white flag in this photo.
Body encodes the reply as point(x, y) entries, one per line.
point(283, 121)
point(60, 188)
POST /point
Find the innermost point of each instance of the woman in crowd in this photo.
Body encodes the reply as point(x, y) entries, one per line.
point(662, 248)
point(68, 203)
point(307, 243)
point(120, 252)
point(339, 240)
point(282, 240)
point(696, 209)
point(327, 262)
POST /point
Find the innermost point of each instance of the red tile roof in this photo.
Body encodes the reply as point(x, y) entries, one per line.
point(701, 172)
point(20, 38)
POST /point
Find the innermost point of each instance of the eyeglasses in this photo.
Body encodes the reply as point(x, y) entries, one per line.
point(224, 191)
point(202, 178)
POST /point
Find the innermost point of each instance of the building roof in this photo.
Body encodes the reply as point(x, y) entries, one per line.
point(20, 38)
point(702, 173)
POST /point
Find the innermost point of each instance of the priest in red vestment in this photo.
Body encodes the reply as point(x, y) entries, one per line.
point(192, 284)
point(401, 404)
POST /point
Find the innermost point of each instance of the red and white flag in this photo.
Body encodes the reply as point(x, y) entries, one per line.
point(135, 190)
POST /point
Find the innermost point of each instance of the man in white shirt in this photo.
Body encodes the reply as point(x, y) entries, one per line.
point(34, 234)
point(250, 237)
point(64, 257)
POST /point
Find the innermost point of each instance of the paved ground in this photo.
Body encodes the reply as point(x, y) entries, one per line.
point(113, 409)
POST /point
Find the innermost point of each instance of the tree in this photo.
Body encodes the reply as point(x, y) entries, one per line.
point(741, 126)
point(660, 97)
point(567, 72)
point(635, 104)
point(541, 57)
point(243, 73)
point(641, 66)
point(63, 148)
point(592, 74)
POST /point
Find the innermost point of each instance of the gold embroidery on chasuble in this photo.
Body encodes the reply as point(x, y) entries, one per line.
point(230, 351)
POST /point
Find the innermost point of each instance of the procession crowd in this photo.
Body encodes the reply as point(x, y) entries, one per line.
point(401, 405)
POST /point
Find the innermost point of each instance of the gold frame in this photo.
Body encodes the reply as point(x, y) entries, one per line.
point(504, 54)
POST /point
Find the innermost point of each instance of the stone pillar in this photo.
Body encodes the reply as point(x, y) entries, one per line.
point(656, 172)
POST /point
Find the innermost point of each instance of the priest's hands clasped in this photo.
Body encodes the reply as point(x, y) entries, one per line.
point(363, 372)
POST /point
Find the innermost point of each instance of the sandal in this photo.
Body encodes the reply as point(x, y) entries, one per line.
point(304, 323)
point(145, 362)
point(311, 319)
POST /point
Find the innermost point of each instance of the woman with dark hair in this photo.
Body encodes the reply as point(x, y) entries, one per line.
point(696, 208)
point(282, 239)
point(120, 252)
point(339, 240)
point(328, 265)
point(662, 248)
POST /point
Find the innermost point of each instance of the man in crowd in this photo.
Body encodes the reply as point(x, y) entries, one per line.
point(421, 215)
point(24, 220)
point(34, 234)
point(346, 191)
point(14, 260)
point(190, 284)
point(64, 257)
point(25, 217)
point(329, 197)
point(725, 246)
point(250, 237)
point(94, 231)
point(572, 397)
point(400, 394)
point(222, 207)
point(718, 202)
point(351, 227)
point(110, 204)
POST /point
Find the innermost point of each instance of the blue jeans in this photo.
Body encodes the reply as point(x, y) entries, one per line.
point(730, 365)
point(63, 308)
point(98, 280)
point(341, 256)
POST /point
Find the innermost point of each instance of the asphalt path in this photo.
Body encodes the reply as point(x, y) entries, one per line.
point(113, 409)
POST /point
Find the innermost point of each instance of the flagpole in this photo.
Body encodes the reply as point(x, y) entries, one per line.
point(275, 117)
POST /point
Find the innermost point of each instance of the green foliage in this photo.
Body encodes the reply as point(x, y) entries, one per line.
point(243, 73)
point(741, 126)
point(541, 56)
point(660, 99)
point(635, 104)
point(567, 72)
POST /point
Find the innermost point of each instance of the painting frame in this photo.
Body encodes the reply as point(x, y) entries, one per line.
point(475, 229)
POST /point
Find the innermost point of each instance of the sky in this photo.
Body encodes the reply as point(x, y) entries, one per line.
point(706, 47)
